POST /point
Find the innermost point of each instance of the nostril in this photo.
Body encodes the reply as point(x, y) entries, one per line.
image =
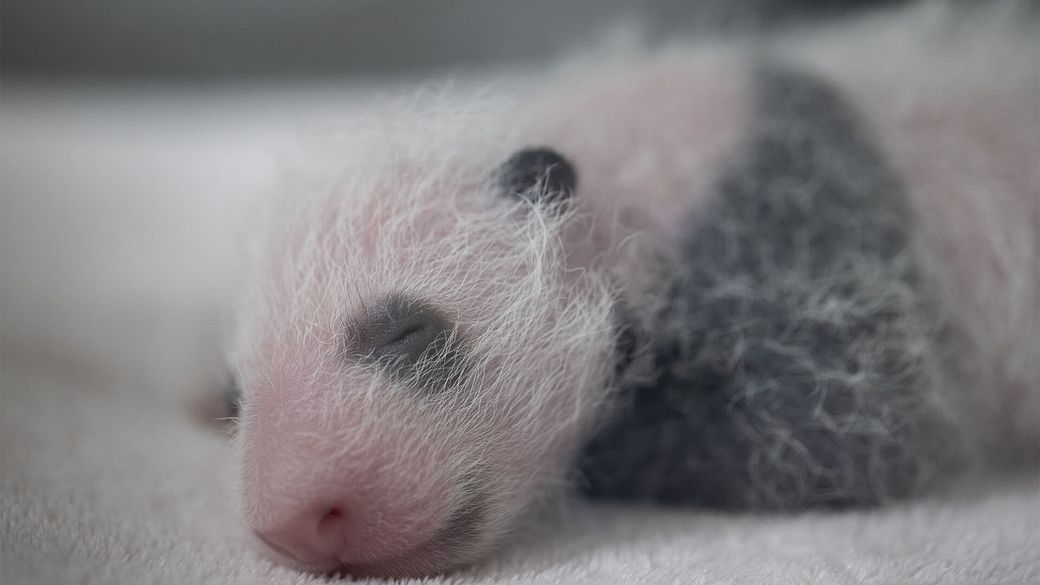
point(317, 536)
point(333, 524)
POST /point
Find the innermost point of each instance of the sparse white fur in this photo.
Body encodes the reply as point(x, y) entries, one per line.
point(403, 201)
point(965, 133)
point(404, 217)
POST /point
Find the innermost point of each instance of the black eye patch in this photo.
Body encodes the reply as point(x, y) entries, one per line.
point(539, 175)
point(409, 337)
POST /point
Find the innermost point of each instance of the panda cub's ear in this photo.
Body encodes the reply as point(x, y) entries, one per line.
point(539, 175)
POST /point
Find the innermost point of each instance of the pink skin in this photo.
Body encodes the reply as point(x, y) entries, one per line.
point(648, 141)
point(375, 489)
point(382, 493)
point(967, 145)
point(354, 496)
point(341, 468)
point(360, 505)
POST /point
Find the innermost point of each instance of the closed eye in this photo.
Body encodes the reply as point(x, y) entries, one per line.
point(403, 334)
point(409, 338)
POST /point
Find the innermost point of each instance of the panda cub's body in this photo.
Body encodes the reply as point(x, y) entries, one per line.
point(771, 278)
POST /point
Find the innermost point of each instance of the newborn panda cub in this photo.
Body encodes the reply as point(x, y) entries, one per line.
point(700, 279)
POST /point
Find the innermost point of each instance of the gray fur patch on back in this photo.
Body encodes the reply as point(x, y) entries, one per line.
point(796, 360)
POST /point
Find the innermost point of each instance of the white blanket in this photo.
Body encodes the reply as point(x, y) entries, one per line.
point(118, 243)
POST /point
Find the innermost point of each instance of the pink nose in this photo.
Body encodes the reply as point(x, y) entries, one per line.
point(313, 535)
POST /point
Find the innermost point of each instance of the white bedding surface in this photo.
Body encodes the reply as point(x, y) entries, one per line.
point(117, 244)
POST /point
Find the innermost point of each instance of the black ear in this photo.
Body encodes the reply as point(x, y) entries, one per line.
point(540, 175)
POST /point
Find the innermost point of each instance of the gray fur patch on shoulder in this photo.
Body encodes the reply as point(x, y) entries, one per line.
point(796, 359)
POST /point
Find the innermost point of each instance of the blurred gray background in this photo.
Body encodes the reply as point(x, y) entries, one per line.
point(256, 39)
point(137, 133)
